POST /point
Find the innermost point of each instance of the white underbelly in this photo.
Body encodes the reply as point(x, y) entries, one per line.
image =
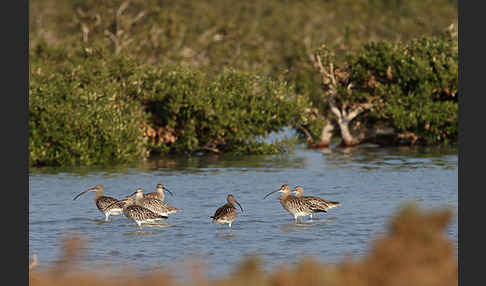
point(115, 211)
point(223, 221)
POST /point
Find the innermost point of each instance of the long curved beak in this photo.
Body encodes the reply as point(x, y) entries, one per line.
point(84, 192)
point(133, 193)
point(271, 193)
point(168, 191)
point(239, 205)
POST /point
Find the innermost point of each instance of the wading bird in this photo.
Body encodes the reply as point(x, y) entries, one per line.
point(159, 193)
point(294, 205)
point(155, 205)
point(316, 204)
point(103, 203)
point(120, 204)
point(137, 213)
point(226, 214)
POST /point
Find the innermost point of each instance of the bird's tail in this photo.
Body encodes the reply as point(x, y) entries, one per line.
point(333, 204)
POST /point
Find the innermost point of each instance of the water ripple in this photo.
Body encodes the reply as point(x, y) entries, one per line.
point(370, 183)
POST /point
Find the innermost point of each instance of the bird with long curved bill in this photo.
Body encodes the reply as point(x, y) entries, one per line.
point(137, 213)
point(159, 193)
point(153, 204)
point(316, 204)
point(102, 202)
point(294, 205)
point(226, 214)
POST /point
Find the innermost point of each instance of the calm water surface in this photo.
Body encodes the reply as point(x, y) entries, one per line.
point(371, 183)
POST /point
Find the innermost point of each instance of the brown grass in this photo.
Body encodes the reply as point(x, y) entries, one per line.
point(415, 251)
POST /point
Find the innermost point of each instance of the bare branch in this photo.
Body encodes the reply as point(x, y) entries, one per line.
point(321, 68)
point(98, 20)
point(332, 105)
point(81, 12)
point(307, 44)
point(307, 134)
point(362, 107)
point(85, 30)
point(331, 75)
point(327, 132)
point(113, 38)
point(122, 8)
point(138, 17)
point(344, 108)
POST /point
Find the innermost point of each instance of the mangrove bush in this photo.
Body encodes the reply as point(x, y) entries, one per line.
point(95, 108)
point(408, 91)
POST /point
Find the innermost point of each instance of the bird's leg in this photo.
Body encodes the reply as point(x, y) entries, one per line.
point(310, 218)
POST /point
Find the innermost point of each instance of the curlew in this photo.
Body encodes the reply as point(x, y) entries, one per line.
point(316, 203)
point(137, 213)
point(155, 205)
point(103, 203)
point(159, 193)
point(294, 205)
point(119, 204)
point(226, 214)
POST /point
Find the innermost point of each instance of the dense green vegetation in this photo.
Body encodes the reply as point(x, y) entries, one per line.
point(79, 114)
point(410, 88)
point(226, 114)
point(94, 108)
point(115, 81)
point(416, 85)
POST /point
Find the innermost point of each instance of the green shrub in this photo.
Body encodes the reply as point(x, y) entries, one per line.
point(213, 35)
point(414, 86)
point(192, 112)
point(96, 108)
point(79, 114)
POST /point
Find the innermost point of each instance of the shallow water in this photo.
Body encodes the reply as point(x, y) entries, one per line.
point(371, 183)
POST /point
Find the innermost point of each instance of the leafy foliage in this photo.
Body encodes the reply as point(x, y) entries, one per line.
point(95, 108)
point(173, 77)
point(212, 35)
point(79, 114)
point(192, 112)
point(414, 86)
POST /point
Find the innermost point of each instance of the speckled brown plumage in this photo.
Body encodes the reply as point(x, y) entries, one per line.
point(295, 206)
point(155, 205)
point(102, 202)
point(159, 193)
point(139, 214)
point(119, 204)
point(315, 203)
point(226, 214)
